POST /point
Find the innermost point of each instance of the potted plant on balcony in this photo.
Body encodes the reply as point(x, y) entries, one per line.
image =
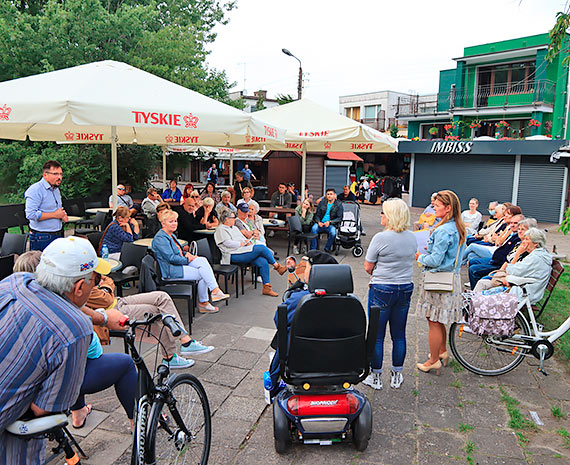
point(475, 124)
point(433, 131)
point(502, 127)
point(548, 128)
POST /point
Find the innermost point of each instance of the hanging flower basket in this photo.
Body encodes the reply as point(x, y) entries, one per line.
point(449, 127)
point(475, 124)
point(433, 131)
point(503, 125)
point(534, 123)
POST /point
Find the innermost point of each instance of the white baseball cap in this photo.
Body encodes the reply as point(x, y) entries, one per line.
point(73, 257)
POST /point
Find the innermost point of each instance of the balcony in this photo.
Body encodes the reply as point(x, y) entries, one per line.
point(375, 123)
point(537, 93)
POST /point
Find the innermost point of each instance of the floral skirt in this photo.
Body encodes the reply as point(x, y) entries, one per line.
point(442, 307)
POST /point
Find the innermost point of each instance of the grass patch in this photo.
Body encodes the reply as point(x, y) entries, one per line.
point(565, 435)
point(456, 384)
point(517, 420)
point(465, 428)
point(469, 449)
point(557, 412)
point(415, 393)
point(556, 312)
point(457, 368)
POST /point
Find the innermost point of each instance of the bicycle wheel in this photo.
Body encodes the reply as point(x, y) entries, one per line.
point(488, 355)
point(141, 422)
point(187, 411)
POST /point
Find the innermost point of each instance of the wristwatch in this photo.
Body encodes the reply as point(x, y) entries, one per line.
point(102, 311)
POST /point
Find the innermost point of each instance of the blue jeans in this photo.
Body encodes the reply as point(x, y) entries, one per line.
point(39, 241)
point(110, 369)
point(394, 303)
point(478, 268)
point(260, 256)
point(330, 230)
point(475, 250)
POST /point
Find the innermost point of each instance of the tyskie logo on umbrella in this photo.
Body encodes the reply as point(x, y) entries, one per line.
point(181, 139)
point(5, 113)
point(166, 119)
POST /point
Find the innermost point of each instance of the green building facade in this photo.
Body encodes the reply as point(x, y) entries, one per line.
point(501, 90)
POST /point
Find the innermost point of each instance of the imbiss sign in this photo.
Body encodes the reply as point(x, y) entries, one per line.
point(451, 147)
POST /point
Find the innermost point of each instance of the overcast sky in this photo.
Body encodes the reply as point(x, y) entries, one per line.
point(355, 46)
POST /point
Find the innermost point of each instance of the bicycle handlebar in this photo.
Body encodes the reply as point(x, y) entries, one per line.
point(167, 320)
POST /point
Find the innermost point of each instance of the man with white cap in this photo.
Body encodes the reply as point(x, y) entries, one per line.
point(44, 339)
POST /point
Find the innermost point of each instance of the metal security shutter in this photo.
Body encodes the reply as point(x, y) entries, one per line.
point(315, 174)
point(336, 177)
point(541, 188)
point(485, 177)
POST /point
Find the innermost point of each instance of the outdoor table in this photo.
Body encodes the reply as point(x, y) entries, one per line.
point(147, 242)
point(268, 222)
point(93, 211)
point(264, 203)
point(276, 210)
point(73, 219)
point(115, 264)
point(206, 232)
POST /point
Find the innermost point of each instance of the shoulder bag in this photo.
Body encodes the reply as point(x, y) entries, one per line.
point(441, 281)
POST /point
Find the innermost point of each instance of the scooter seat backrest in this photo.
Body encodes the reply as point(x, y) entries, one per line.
point(328, 333)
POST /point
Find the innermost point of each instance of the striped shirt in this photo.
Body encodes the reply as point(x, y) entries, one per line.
point(42, 198)
point(43, 350)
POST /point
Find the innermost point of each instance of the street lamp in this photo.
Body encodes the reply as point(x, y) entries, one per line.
point(300, 84)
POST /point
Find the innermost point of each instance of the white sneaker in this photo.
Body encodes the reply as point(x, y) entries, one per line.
point(259, 280)
point(396, 379)
point(467, 285)
point(374, 380)
point(295, 250)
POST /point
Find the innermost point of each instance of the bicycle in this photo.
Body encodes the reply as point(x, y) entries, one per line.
point(497, 355)
point(172, 422)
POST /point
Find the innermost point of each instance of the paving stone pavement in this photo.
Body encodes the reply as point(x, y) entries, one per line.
point(454, 418)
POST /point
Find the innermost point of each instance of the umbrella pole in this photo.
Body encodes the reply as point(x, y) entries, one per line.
point(231, 169)
point(164, 168)
point(303, 171)
point(114, 180)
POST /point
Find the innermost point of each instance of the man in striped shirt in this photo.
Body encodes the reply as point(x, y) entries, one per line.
point(43, 340)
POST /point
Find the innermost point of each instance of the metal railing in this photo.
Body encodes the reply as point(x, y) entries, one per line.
point(375, 123)
point(497, 95)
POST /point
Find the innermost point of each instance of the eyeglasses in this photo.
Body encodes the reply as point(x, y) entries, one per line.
point(55, 174)
point(120, 188)
point(382, 213)
point(96, 279)
point(194, 196)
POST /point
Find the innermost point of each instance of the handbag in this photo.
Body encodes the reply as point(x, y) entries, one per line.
point(441, 281)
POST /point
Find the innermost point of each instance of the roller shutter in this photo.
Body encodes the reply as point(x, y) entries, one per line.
point(541, 188)
point(336, 177)
point(315, 174)
point(485, 177)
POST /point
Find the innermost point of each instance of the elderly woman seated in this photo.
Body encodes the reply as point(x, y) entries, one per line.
point(206, 215)
point(175, 263)
point(238, 250)
point(537, 264)
point(225, 202)
point(210, 192)
point(123, 229)
point(427, 219)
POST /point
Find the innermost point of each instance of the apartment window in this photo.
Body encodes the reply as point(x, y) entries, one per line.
point(509, 78)
point(353, 113)
point(372, 111)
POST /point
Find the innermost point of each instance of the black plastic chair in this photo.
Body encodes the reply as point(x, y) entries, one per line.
point(14, 244)
point(6, 266)
point(177, 289)
point(94, 237)
point(97, 225)
point(22, 221)
point(296, 232)
point(131, 255)
point(226, 271)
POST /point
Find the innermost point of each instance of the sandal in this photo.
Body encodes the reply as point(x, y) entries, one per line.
point(89, 408)
point(219, 296)
point(208, 308)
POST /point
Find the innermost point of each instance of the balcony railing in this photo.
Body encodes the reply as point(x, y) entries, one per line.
point(376, 123)
point(541, 92)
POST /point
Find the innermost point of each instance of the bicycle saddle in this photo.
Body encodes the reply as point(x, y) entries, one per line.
point(518, 281)
point(36, 426)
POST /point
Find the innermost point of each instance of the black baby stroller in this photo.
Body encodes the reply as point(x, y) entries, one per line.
point(349, 230)
point(390, 187)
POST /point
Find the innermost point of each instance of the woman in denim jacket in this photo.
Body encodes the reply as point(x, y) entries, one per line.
point(441, 308)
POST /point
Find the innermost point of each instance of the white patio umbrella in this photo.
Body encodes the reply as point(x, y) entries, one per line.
point(109, 102)
point(311, 127)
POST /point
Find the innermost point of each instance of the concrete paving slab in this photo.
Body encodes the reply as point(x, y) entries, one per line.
point(104, 447)
point(229, 433)
point(242, 408)
point(265, 334)
point(497, 443)
point(390, 449)
point(439, 416)
point(249, 344)
point(216, 393)
point(224, 375)
point(239, 359)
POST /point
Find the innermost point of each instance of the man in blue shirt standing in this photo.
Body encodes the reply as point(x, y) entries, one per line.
point(44, 208)
point(247, 173)
point(327, 218)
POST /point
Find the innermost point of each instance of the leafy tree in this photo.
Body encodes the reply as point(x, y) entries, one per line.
point(558, 37)
point(260, 99)
point(394, 130)
point(168, 38)
point(283, 99)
